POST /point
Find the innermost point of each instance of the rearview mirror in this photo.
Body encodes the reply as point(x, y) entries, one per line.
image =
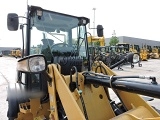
point(32, 64)
point(100, 30)
point(12, 22)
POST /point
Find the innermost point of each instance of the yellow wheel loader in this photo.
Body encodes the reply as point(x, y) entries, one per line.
point(64, 84)
point(142, 52)
point(15, 53)
point(95, 39)
point(155, 53)
point(149, 51)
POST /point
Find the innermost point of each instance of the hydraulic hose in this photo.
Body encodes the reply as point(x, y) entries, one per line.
point(74, 86)
point(120, 83)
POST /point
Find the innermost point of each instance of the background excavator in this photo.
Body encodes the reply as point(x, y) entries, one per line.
point(68, 85)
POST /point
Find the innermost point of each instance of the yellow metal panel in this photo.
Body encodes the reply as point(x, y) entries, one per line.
point(52, 94)
point(95, 99)
point(71, 108)
point(139, 113)
point(132, 100)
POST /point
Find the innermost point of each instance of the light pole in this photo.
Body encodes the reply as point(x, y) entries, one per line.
point(94, 9)
point(114, 33)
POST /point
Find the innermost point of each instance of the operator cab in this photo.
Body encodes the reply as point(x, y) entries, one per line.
point(64, 38)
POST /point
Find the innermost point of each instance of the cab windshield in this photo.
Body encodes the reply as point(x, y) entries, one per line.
point(57, 34)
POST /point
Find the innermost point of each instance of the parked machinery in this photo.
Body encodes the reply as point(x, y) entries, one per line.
point(107, 54)
point(16, 53)
point(1, 54)
point(144, 53)
point(155, 53)
point(68, 86)
point(96, 40)
point(158, 47)
point(134, 48)
point(149, 50)
point(126, 47)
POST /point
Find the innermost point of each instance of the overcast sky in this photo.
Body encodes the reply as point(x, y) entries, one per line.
point(133, 18)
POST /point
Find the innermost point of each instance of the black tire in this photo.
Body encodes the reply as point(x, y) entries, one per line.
point(13, 109)
point(11, 118)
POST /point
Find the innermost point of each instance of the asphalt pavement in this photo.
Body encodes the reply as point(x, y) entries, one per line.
point(7, 74)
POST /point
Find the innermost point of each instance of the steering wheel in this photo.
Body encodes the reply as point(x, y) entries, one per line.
point(59, 46)
point(62, 48)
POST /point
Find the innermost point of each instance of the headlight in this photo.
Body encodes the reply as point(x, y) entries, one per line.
point(135, 58)
point(37, 64)
point(33, 63)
